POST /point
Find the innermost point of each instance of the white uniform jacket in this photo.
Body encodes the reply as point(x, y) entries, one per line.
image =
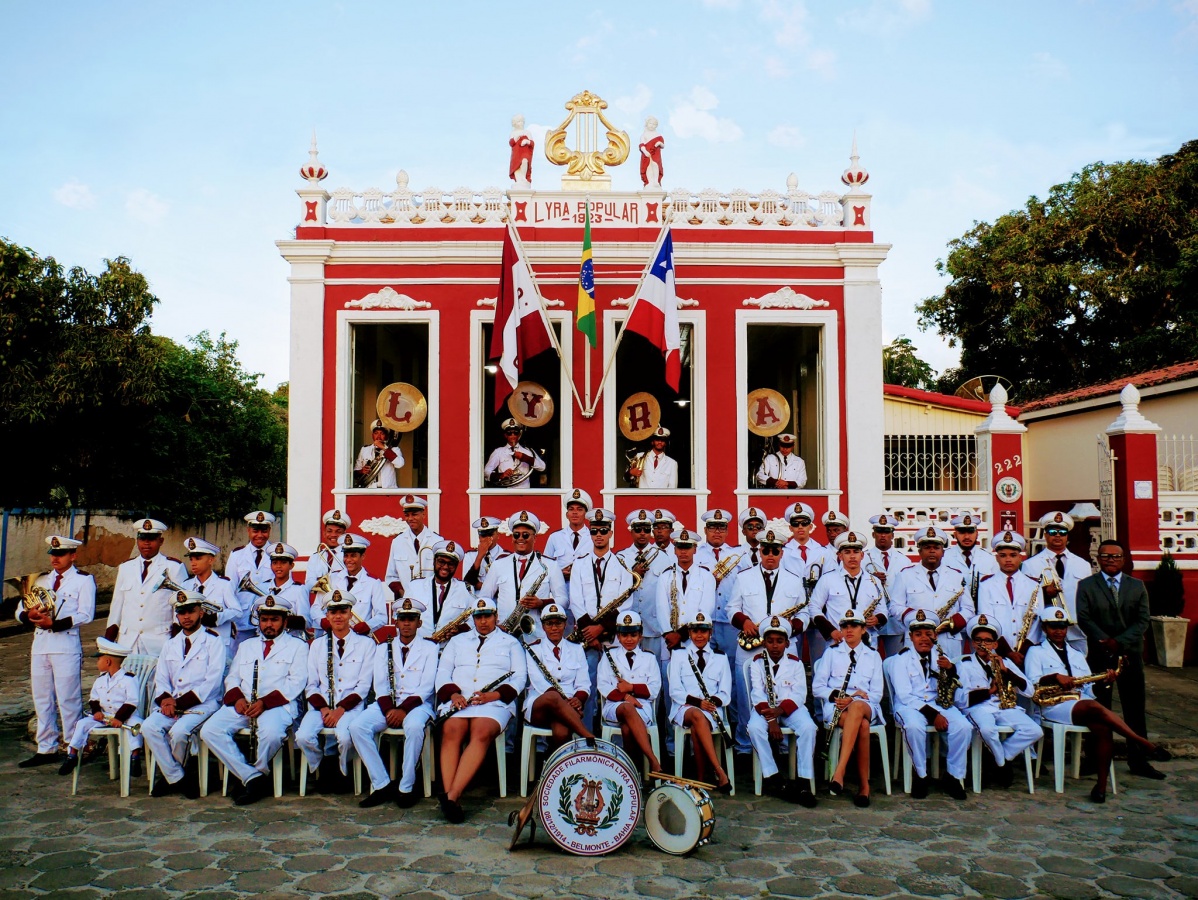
point(838, 592)
point(790, 683)
point(218, 591)
point(828, 677)
point(1043, 659)
point(506, 587)
point(75, 605)
point(684, 686)
point(981, 561)
point(504, 458)
point(697, 597)
point(353, 671)
point(1006, 610)
point(660, 472)
point(322, 563)
point(192, 678)
point(282, 673)
point(817, 554)
point(789, 468)
point(469, 663)
point(976, 679)
point(411, 556)
point(372, 596)
point(296, 594)
point(889, 563)
point(386, 478)
point(570, 671)
point(484, 564)
point(115, 695)
point(644, 600)
point(560, 547)
point(751, 601)
point(912, 590)
point(1076, 569)
point(644, 674)
point(252, 561)
point(137, 608)
point(706, 555)
point(596, 581)
point(405, 684)
point(911, 687)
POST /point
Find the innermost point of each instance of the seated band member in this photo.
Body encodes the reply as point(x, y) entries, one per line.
point(266, 678)
point(479, 677)
point(112, 704)
point(558, 681)
point(1055, 663)
point(327, 557)
point(653, 469)
point(340, 671)
point(187, 689)
point(979, 697)
point(784, 470)
point(378, 462)
point(229, 618)
point(512, 465)
point(630, 682)
point(693, 667)
point(778, 697)
point(405, 668)
point(1004, 597)
point(914, 678)
point(848, 677)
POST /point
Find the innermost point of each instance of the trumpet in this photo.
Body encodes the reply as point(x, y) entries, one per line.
point(724, 566)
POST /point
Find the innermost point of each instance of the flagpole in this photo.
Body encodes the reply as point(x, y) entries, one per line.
point(665, 229)
point(545, 318)
point(586, 360)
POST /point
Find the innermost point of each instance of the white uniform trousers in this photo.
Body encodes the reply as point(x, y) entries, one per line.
point(986, 719)
point(801, 723)
point(367, 726)
point(85, 726)
point(57, 689)
point(308, 738)
point(737, 714)
point(170, 739)
point(959, 735)
point(218, 733)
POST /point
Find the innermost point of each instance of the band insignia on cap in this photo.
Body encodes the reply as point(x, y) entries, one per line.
point(261, 517)
point(627, 620)
point(523, 517)
point(576, 495)
point(191, 543)
point(336, 597)
point(270, 601)
point(336, 517)
point(181, 596)
point(882, 519)
point(1008, 537)
point(279, 548)
point(931, 532)
point(55, 543)
point(1060, 614)
point(480, 604)
point(774, 623)
point(700, 618)
point(1058, 518)
point(753, 512)
point(769, 536)
point(349, 539)
point(967, 521)
point(407, 604)
point(852, 537)
point(657, 513)
point(982, 620)
point(643, 515)
point(719, 515)
point(921, 616)
point(450, 547)
point(685, 536)
point(147, 525)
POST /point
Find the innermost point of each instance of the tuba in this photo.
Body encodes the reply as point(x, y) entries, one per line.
point(34, 597)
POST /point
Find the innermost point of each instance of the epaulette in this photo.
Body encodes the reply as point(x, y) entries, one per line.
point(212, 631)
point(222, 577)
point(965, 657)
point(534, 643)
point(130, 674)
point(235, 549)
point(1029, 577)
point(502, 556)
point(705, 568)
point(986, 577)
point(758, 656)
point(908, 566)
point(904, 650)
point(669, 568)
point(717, 650)
point(954, 569)
point(792, 656)
point(172, 559)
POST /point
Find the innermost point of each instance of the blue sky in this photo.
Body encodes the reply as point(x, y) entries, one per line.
point(172, 135)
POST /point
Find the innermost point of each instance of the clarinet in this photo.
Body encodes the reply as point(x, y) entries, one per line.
point(486, 689)
point(553, 682)
point(771, 697)
point(254, 722)
point(391, 671)
point(837, 712)
point(615, 670)
point(719, 720)
point(332, 689)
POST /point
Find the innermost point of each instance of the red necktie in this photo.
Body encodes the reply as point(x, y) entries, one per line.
point(266, 645)
point(1010, 588)
point(57, 581)
point(803, 550)
point(655, 462)
point(965, 553)
point(716, 551)
point(557, 653)
point(145, 569)
point(403, 661)
point(524, 561)
point(885, 560)
point(257, 558)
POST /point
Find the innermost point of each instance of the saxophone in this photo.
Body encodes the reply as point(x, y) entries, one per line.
point(1029, 615)
point(1008, 697)
point(946, 624)
point(947, 682)
point(519, 613)
point(752, 643)
point(449, 629)
point(814, 573)
point(1052, 694)
point(575, 636)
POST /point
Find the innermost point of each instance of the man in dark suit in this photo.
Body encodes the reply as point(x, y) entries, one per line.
point(1112, 609)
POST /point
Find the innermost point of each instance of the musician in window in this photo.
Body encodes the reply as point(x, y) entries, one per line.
point(653, 469)
point(783, 470)
point(512, 465)
point(1059, 667)
point(377, 462)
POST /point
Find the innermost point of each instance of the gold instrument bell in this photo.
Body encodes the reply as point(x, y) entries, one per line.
point(640, 415)
point(768, 412)
point(530, 404)
point(33, 596)
point(401, 407)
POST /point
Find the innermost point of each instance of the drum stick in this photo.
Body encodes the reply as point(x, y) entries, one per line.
point(662, 776)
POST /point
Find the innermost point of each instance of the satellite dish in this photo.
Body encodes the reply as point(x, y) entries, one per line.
point(980, 386)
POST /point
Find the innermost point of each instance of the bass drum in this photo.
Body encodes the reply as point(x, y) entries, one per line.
point(679, 818)
point(589, 797)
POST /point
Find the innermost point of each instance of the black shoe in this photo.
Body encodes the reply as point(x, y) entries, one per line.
point(1142, 771)
point(406, 799)
point(379, 797)
point(68, 765)
point(807, 799)
point(253, 791)
point(861, 800)
point(1159, 754)
point(135, 767)
point(163, 788)
point(38, 759)
point(725, 788)
point(919, 787)
point(191, 784)
point(1004, 776)
point(1098, 796)
point(953, 788)
point(774, 786)
point(453, 812)
point(835, 788)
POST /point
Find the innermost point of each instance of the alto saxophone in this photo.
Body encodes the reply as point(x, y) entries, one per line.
point(1008, 697)
point(519, 613)
point(946, 624)
point(947, 682)
point(449, 629)
point(752, 643)
point(575, 636)
point(1052, 694)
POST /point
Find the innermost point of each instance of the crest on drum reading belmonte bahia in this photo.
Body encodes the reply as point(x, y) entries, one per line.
point(589, 798)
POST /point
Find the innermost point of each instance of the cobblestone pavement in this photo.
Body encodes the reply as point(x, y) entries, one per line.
point(1141, 844)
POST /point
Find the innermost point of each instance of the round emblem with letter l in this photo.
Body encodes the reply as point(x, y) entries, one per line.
point(401, 407)
point(589, 797)
point(1008, 490)
point(530, 404)
point(768, 412)
point(640, 415)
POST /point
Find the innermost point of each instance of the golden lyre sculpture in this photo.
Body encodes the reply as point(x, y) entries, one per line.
point(585, 163)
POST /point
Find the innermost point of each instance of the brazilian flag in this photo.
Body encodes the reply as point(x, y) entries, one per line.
point(586, 285)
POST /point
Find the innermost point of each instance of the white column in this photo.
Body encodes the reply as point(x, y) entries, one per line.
point(305, 436)
point(863, 378)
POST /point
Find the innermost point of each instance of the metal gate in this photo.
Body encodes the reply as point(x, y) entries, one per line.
point(1106, 488)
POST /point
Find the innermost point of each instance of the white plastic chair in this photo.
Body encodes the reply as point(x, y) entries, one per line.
point(276, 768)
point(426, 756)
point(143, 668)
point(528, 754)
point(902, 751)
point(303, 767)
point(791, 744)
point(877, 731)
point(1061, 735)
point(611, 733)
point(682, 732)
point(975, 760)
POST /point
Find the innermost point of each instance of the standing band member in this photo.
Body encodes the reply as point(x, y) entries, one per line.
point(652, 469)
point(645, 559)
point(252, 560)
point(266, 678)
point(778, 696)
point(477, 563)
point(512, 465)
point(1004, 597)
point(932, 586)
point(1060, 571)
point(556, 704)
point(377, 462)
point(142, 609)
point(326, 558)
point(112, 703)
point(372, 600)
point(629, 683)
point(405, 668)
point(569, 543)
point(411, 555)
point(229, 619)
point(523, 577)
point(883, 564)
point(187, 690)
point(784, 470)
point(700, 691)
point(56, 661)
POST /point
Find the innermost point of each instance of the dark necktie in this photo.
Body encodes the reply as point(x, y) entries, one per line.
point(1060, 565)
point(257, 558)
point(576, 540)
point(932, 578)
point(266, 645)
point(403, 656)
point(753, 556)
point(200, 588)
point(145, 569)
point(601, 570)
point(341, 646)
point(57, 582)
point(852, 657)
point(349, 582)
point(186, 645)
point(702, 661)
point(965, 553)
point(416, 546)
point(1011, 588)
point(630, 659)
point(684, 581)
point(923, 661)
point(1063, 653)
point(716, 551)
point(769, 589)
point(885, 560)
point(776, 669)
point(557, 653)
point(1110, 579)
point(480, 642)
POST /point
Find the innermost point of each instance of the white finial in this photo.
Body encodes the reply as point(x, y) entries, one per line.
point(401, 180)
point(313, 170)
point(1131, 420)
point(854, 176)
point(999, 421)
point(998, 396)
point(792, 182)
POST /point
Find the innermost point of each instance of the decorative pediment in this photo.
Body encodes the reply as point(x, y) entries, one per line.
point(785, 298)
point(384, 526)
point(387, 298)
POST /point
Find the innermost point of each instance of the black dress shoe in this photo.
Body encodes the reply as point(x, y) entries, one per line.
point(1004, 776)
point(191, 785)
point(406, 799)
point(725, 788)
point(774, 786)
point(1144, 771)
point(253, 791)
point(379, 797)
point(452, 811)
point(68, 765)
point(919, 787)
point(807, 799)
point(953, 788)
point(163, 788)
point(1159, 754)
point(1097, 796)
point(835, 788)
point(38, 759)
point(135, 767)
point(861, 800)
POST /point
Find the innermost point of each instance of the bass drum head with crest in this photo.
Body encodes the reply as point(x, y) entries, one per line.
point(589, 797)
point(679, 818)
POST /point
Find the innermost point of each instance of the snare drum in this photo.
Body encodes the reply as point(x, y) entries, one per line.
point(679, 818)
point(589, 797)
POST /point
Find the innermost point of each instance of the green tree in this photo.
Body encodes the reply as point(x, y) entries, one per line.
point(901, 365)
point(1098, 280)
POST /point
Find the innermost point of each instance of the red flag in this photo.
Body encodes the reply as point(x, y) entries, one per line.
point(520, 331)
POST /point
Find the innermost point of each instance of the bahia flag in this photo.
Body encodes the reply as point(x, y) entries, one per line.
point(520, 331)
point(586, 285)
point(654, 313)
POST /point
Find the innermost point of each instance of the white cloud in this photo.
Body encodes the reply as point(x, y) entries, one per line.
point(692, 117)
point(722, 4)
point(1045, 65)
point(789, 18)
point(146, 206)
point(885, 17)
point(76, 195)
point(626, 111)
point(776, 68)
point(787, 136)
